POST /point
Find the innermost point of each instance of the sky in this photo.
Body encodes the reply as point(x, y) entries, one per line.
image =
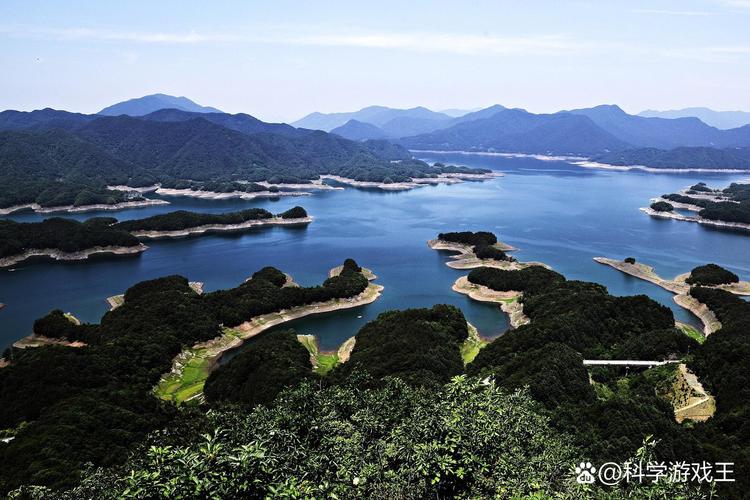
point(281, 60)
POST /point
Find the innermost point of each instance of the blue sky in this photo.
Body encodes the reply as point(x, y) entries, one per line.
point(280, 60)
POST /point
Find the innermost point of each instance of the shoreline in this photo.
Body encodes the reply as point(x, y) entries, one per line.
point(504, 155)
point(700, 220)
point(680, 289)
point(509, 301)
point(205, 356)
point(446, 178)
point(656, 170)
point(35, 207)
point(220, 228)
point(466, 259)
point(59, 255)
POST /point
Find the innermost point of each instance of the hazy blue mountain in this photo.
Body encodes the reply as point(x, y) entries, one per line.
point(720, 119)
point(516, 130)
point(376, 115)
point(148, 104)
point(455, 112)
point(41, 118)
point(479, 114)
point(684, 157)
point(661, 133)
point(240, 122)
point(356, 130)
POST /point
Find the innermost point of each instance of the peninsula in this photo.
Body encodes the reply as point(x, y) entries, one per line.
point(191, 367)
point(683, 285)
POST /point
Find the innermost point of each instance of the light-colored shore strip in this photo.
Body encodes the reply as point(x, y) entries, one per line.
point(210, 352)
point(677, 286)
point(83, 208)
point(242, 195)
point(509, 301)
point(366, 272)
point(503, 155)
point(654, 170)
point(698, 219)
point(646, 273)
point(466, 259)
point(71, 256)
point(450, 178)
point(220, 228)
point(116, 301)
point(35, 340)
point(677, 204)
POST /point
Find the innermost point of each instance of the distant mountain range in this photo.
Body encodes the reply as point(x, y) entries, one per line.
point(142, 145)
point(53, 157)
point(720, 119)
point(154, 102)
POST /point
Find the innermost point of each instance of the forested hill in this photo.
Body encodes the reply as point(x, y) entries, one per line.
point(683, 157)
point(59, 151)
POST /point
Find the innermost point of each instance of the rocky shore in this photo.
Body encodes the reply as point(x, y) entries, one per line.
point(55, 254)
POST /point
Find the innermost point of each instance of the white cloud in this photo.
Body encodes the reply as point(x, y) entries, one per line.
point(450, 43)
point(673, 12)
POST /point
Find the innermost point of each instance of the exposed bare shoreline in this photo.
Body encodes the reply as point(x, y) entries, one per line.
point(585, 162)
point(447, 178)
point(680, 288)
point(220, 228)
point(509, 301)
point(81, 255)
point(211, 351)
point(697, 218)
point(83, 208)
point(466, 259)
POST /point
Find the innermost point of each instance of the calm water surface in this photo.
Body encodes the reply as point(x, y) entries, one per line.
point(553, 212)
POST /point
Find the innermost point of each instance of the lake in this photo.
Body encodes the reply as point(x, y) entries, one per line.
point(553, 211)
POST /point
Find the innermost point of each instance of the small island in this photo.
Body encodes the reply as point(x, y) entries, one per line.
point(477, 249)
point(723, 208)
point(65, 239)
point(183, 223)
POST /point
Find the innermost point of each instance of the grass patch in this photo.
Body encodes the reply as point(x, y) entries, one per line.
point(323, 362)
point(472, 345)
point(692, 332)
point(326, 363)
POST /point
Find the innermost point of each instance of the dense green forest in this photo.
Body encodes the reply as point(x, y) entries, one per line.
point(723, 363)
point(481, 242)
point(62, 234)
point(53, 161)
point(266, 365)
point(711, 274)
point(682, 157)
point(396, 421)
point(71, 236)
point(737, 209)
point(662, 206)
point(419, 346)
point(572, 320)
point(400, 418)
point(92, 404)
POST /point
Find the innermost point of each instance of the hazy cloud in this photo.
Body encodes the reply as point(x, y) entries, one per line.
point(452, 43)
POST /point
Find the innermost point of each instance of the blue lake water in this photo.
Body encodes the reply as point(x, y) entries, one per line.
point(552, 211)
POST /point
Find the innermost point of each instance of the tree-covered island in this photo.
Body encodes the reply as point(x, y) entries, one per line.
point(65, 239)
